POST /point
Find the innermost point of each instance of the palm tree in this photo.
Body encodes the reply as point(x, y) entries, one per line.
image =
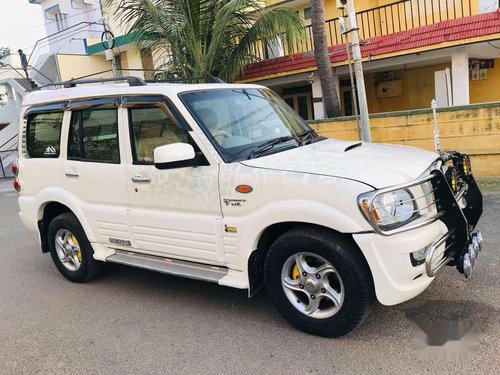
point(328, 86)
point(199, 37)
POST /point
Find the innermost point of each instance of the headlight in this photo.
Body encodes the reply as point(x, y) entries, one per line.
point(388, 210)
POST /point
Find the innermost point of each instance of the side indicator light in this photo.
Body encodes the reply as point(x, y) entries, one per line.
point(244, 189)
point(364, 205)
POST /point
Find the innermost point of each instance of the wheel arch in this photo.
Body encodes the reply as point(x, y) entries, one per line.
point(50, 209)
point(271, 234)
point(48, 212)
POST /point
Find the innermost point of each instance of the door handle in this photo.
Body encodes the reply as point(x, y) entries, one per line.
point(72, 174)
point(138, 178)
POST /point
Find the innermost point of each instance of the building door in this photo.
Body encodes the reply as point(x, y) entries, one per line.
point(347, 102)
point(300, 99)
point(174, 212)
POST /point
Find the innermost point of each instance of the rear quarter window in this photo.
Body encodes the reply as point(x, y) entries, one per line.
point(43, 135)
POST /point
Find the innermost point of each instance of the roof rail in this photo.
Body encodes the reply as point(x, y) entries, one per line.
point(132, 81)
point(207, 79)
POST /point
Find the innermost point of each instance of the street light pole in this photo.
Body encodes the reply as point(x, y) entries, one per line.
point(358, 72)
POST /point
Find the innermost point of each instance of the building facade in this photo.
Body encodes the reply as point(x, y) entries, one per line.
point(413, 51)
point(84, 40)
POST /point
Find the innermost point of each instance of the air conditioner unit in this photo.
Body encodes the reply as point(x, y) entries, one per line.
point(389, 89)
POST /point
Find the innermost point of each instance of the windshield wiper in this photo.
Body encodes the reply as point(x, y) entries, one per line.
point(263, 147)
point(307, 136)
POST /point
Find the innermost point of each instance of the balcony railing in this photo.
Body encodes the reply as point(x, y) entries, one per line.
point(383, 20)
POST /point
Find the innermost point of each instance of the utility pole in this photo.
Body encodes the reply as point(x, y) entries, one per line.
point(107, 42)
point(358, 70)
point(353, 87)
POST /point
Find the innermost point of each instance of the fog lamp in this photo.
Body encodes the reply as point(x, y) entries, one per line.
point(465, 165)
point(452, 177)
point(418, 257)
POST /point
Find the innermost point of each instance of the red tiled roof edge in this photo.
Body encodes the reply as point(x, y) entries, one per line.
point(441, 32)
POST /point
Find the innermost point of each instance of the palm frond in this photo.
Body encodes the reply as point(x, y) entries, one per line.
point(199, 37)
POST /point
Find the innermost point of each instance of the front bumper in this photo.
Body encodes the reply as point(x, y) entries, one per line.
point(395, 278)
point(447, 237)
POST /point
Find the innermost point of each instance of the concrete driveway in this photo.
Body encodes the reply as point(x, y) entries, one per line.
point(131, 321)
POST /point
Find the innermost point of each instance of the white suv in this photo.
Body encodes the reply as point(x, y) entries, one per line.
point(225, 183)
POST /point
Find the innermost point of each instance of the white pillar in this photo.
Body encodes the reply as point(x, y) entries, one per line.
point(317, 94)
point(319, 110)
point(460, 78)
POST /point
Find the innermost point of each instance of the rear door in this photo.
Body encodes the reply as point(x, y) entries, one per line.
point(42, 127)
point(174, 212)
point(94, 169)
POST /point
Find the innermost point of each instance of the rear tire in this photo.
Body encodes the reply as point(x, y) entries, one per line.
point(71, 250)
point(319, 281)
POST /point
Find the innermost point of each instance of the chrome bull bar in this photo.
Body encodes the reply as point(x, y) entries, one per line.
point(475, 245)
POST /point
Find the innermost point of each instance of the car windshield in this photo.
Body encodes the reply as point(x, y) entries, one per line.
point(247, 123)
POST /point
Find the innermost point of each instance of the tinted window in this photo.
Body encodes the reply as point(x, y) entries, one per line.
point(93, 135)
point(152, 127)
point(44, 135)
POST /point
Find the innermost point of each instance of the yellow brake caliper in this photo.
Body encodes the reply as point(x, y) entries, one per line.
point(295, 272)
point(79, 253)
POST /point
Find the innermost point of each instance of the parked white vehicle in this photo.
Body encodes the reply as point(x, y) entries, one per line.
point(225, 183)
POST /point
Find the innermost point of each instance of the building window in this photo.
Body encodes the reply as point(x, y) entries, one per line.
point(60, 19)
point(307, 13)
point(43, 135)
point(117, 62)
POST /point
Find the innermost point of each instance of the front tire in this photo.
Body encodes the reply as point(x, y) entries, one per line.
point(71, 251)
point(319, 281)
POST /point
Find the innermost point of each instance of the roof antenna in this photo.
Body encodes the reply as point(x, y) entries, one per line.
point(437, 146)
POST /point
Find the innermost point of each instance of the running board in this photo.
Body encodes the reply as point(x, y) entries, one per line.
point(175, 267)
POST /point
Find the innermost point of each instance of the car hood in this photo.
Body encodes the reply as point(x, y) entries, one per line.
point(378, 165)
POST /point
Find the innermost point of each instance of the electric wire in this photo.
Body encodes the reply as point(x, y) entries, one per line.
point(491, 44)
point(44, 24)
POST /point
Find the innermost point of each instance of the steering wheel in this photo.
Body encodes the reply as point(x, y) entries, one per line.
point(221, 135)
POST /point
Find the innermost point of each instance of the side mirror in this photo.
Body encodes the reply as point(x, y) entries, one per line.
point(175, 155)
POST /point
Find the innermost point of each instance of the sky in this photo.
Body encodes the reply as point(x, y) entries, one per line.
point(21, 24)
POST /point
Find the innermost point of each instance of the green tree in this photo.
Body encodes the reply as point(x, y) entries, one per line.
point(200, 37)
point(4, 52)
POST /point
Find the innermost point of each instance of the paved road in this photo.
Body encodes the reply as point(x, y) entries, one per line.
point(131, 321)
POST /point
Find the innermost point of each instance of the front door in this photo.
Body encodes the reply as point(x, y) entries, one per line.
point(174, 212)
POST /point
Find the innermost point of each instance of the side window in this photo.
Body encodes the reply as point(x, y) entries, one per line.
point(43, 136)
point(93, 135)
point(151, 127)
